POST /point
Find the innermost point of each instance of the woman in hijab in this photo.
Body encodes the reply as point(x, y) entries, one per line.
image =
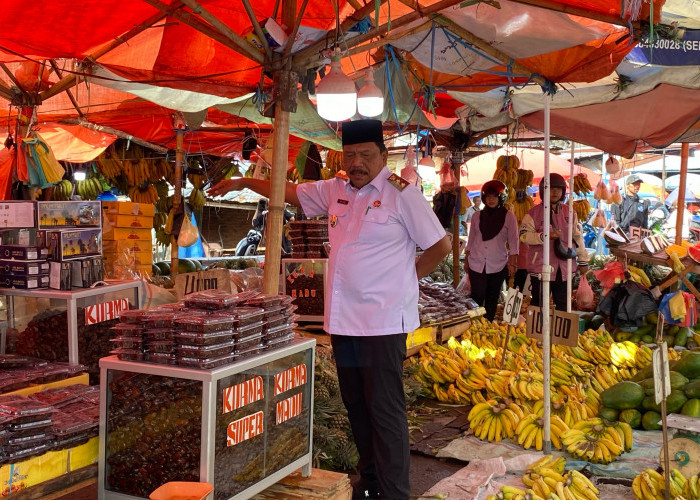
point(492, 247)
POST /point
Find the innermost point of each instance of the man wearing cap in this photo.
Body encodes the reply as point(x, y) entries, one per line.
point(632, 211)
point(375, 221)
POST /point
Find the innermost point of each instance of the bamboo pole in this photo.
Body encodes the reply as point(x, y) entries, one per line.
point(12, 78)
point(395, 35)
point(238, 40)
point(6, 91)
point(177, 196)
point(484, 46)
point(58, 72)
point(293, 35)
point(258, 30)
point(455, 234)
point(109, 130)
point(680, 202)
point(570, 232)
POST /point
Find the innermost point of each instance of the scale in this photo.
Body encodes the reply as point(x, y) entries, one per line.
point(684, 448)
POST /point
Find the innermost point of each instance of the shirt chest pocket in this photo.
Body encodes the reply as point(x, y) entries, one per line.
point(376, 216)
point(337, 213)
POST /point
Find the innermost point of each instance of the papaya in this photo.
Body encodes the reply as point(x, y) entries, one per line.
point(674, 402)
point(678, 381)
point(652, 318)
point(682, 336)
point(596, 321)
point(669, 339)
point(644, 373)
point(691, 408)
point(688, 364)
point(635, 338)
point(632, 417)
point(621, 336)
point(648, 386)
point(610, 414)
point(673, 329)
point(647, 339)
point(197, 264)
point(587, 317)
point(692, 389)
point(646, 329)
point(651, 421)
point(622, 395)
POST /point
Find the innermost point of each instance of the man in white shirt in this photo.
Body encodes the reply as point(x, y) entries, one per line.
point(375, 221)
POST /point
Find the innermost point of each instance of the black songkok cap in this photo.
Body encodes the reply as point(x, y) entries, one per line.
point(362, 131)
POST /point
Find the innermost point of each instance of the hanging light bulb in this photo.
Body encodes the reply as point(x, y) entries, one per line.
point(427, 160)
point(370, 99)
point(336, 95)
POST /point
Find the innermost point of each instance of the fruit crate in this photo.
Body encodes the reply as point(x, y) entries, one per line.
point(241, 427)
point(305, 281)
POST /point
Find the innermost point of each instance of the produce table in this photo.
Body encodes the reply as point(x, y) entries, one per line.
point(241, 427)
point(633, 252)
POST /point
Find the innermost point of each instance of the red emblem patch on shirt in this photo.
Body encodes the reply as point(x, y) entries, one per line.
point(376, 203)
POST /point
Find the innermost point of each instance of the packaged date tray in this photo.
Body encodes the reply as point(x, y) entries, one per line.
point(278, 331)
point(153, 334)
point(279, 341)
point(216, 299)
point(247, 353)
point(206, 324)
point(207, 363)
point(202, 339)
point(205, 351)
point(248, 330)
point(26, 410)
point(129, 354)
point(265, 301)
point(244, 316)
point(162, 319)
point(161, 346)
point(15, 444)
point(30, 428)
point(277, 320)
point(129, 329)
point(56, 397)
point(162, 358)
point(133, 316)
point(128, 342)
point(274, 311)
point(68, 425)
point(248, 343)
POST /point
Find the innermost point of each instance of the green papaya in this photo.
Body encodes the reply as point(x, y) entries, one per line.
point(647, 339)
point(678, 381)
point(673, 330)
point(632, 417)
point(648, 386)
point(644, 373)
point(622, 395)
point(682, 336)
point(688, 365)
point(670, 340)
point(609, 414)
point(646, 329)
point(674, 402)
point(692, 389)
point(635, 338)
point(621, 336)
point(691, 408)
point(652, 318)
point(651, 421)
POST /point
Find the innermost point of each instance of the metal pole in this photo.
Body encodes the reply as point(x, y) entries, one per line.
point(455, 233)
point(177, 195)
point(685, 148)
point(663, 177)
point(546, 274)
point(570, 235)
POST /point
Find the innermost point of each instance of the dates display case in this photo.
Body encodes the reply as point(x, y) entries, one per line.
point(241, 427)
point(305, 281)
point(73, 326)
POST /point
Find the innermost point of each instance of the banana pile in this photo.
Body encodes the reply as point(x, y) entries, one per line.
point(334, 161)
point(143, 194)
point(493, 420)
point(581, 185)
point(598, 441)
point(582, 209)
point(507, 170)
point(62, 191)
point(530, 431)
point(651, 485)
point(546, 479)
point(522, 205)
point(88, 189)
point(197, 198)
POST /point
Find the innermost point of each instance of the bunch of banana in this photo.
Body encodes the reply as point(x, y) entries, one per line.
point(451, 394)
point(498, 384)
point(639, 275)
point(88, 189)
point(108, 166)
point(623, 354)
point(582, 209)
point(691, 490)
point(197, 180)
point(524, 179)
point(651, 485)
point(581, 184)
point(530, 431)
point(159, 169)
point(527, 386)
point(514, 493)
point(62, 191)
point(197, 199)
point(595, 442)
point(334, 161)
point(473, 378)
point(492, 421)
point(143, 194)
point(162, 237)
point(521, 206)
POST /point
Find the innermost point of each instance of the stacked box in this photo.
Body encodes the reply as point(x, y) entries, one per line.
point(23, 257)
point(127, 237)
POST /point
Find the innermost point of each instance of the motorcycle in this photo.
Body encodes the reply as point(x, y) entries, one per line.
point(590, 236)
point(249, 245)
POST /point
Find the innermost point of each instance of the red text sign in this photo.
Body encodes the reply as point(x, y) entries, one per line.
point(289, 379)
point(239, 395)
point(244, 428)
point(288, 408)
point(105, 311)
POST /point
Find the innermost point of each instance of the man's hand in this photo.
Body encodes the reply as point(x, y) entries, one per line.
point(224, 186)
point(554, 234)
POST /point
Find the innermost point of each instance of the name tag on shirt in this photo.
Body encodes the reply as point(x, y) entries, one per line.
point(342, 202)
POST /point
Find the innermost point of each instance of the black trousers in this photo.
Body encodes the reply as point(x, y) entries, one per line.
point(370, 375)
point(486, 289)
point(520, 279)
point(557, 289)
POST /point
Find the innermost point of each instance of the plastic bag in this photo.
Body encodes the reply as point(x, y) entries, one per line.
point(585, 298)
point(601, 191)
point(447, 178)
point(464, 287)
point(598, 219)
point(615, 196)
point(612, 274)
point(188, 233)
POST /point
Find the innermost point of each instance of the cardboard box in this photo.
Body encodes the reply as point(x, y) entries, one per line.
point(74, 244)
point(24, 267)
point(128, 221)
point(59, 275)
point(24, 282)
point(23, 237)
point(65, 214)
point(127, 233)
point(17, 252)
point(128, 208)
point(137, 258)
point(119, 246)
point(17, 214)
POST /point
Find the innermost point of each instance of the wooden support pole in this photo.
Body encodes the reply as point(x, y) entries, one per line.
point(579, 11)
point(258, 29)
point(12, 78)
point(58, 72)
point(395, 35)
point(234, 37)
point(6, 91)
point(177, 196)
point(293, 35)
point(484, 46)
point(455, 234)
point(680, 201)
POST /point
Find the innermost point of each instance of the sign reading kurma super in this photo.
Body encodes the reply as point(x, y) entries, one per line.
point(105, 311)
point(253, 390)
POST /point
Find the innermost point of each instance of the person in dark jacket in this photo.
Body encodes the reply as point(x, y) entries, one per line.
point(444, 207)
point(632, 211)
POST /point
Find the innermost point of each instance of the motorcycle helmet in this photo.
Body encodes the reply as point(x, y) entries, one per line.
point(494, 187)
point(555, 181)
